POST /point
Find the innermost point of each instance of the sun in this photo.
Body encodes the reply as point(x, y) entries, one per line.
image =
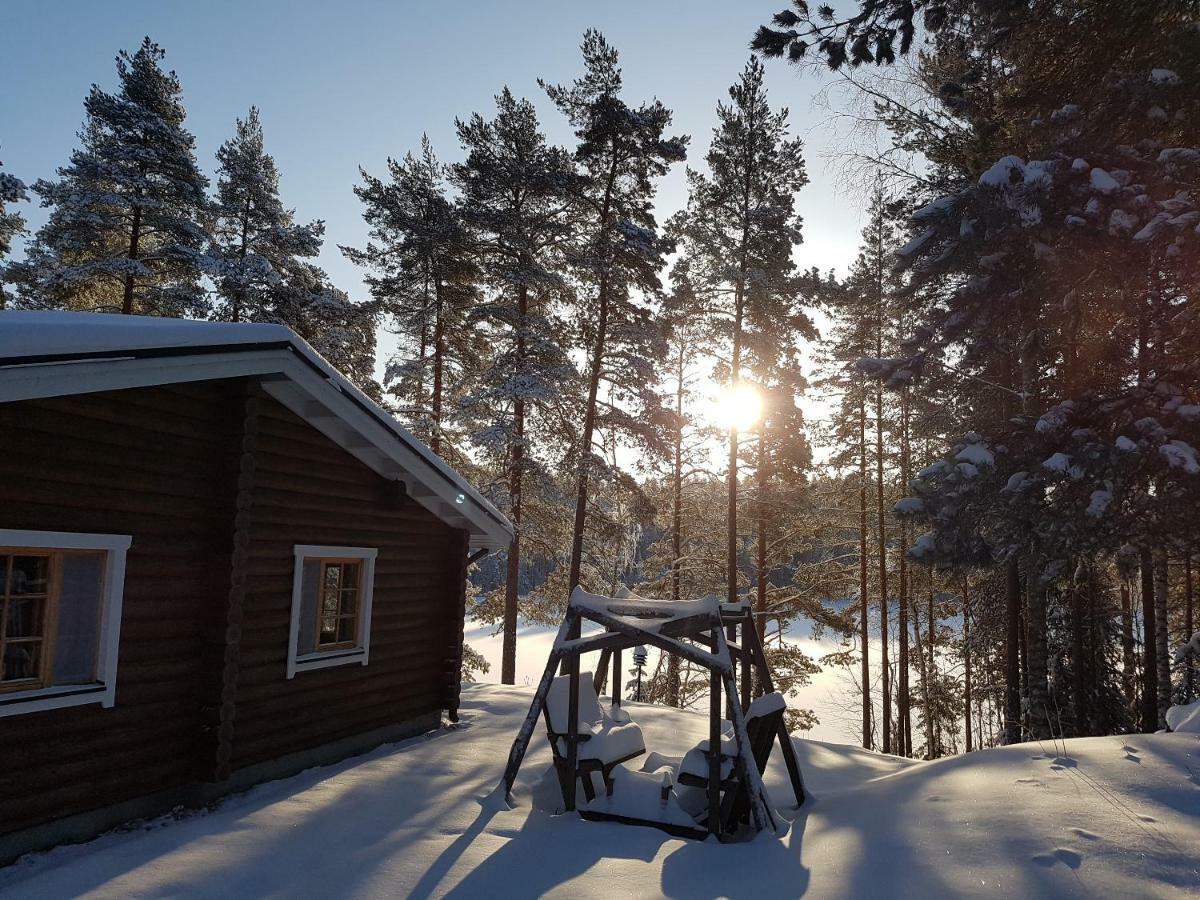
point(737, 408)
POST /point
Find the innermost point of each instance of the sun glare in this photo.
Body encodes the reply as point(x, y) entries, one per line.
point(737, 408)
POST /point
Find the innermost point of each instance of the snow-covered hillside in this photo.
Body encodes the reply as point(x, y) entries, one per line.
point(1093, 817)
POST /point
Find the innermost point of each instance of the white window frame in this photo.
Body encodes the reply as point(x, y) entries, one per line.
point(324, 659)
point(104, 689)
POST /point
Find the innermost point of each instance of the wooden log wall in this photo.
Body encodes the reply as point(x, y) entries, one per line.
point(154, 463)
point(308, 490)
point(217, 483)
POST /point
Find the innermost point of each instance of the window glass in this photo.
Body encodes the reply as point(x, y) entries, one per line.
point(80, 587)
point(339, 601)
point(30, 575)
point(50, 610)
point(24, 608)
point(329, 605)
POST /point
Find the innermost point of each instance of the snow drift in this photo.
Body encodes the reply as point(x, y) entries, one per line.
point(1090, 817)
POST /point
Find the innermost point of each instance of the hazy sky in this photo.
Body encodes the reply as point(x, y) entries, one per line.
point(349, 83)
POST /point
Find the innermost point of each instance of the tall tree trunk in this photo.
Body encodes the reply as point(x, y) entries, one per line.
point(1038, 661)
point(1127, 660)
point(731, 542)
point(760, 562)
point(1149, 645)
point(508, 659)
point(1025, 658)
point(923, 671)
point(881, 551)
point(239, 295)
point(676, 522)
point(935, 723)
point(1095, 656)
point(966, 598)
point(1161, 638)
point(1012, 651)
point(439, 356)
point(1189, 624)
point(902, 695)
point(1078, 666)
point(595, 369)
point(863, 563)
point(735, 359)
point(135, 236)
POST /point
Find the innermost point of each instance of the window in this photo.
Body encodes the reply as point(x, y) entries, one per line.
point(60, 618)
point(331, 607)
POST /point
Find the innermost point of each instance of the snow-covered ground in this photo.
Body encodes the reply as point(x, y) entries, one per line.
point(1092, 817)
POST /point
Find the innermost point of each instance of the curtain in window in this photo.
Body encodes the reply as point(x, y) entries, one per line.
point(308, 607)
point(78, 618)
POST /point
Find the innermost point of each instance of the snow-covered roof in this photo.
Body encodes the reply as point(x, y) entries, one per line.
point(46, 354)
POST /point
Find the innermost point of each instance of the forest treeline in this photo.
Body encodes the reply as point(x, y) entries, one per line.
point(997, 532)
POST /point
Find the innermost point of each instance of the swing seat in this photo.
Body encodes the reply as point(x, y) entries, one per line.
point(762, 723)
point(605, 739)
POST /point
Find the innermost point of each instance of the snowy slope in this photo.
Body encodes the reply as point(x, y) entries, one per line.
point(1096, 817)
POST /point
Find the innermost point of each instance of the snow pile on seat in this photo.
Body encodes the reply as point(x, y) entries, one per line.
point(609, 737)
point(695, 761)
point(642, 795)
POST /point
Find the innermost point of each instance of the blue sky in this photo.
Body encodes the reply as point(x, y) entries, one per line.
point(349, 83)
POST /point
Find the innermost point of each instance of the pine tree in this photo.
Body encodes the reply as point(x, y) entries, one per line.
point(618, 254)
point(739, 229)
point(517, 207)
point(126, 227)
point(340, 329)
point(12, 190)
point(424, 278)
point(257, 242)
point(260, 262)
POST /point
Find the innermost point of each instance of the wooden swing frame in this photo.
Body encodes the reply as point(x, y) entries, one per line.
point(710, 639)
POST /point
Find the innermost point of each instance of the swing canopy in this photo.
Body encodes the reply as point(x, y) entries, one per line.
point(716, 788)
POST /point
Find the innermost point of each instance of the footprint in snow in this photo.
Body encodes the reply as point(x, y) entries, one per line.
point(1034, 781)
point(1068, 858)
point(1148, 818)
point(1085, 834)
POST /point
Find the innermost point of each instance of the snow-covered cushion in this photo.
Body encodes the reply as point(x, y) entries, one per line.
point(639, 795)
point(695, 761)
point(558, 700)
point(609, 738)
point(613, 742)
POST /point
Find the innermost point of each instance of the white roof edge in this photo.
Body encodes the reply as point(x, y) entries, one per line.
point(60, 353)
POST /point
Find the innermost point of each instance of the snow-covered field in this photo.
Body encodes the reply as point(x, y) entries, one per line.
point(828, 694)
point(1093, 817)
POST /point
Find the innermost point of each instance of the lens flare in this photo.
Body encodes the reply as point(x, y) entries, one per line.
point(738, 408)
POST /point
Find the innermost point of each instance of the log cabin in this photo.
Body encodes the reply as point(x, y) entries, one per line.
point(220, 563)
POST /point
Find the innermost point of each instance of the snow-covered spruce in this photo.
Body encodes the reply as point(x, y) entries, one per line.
point(125, 228)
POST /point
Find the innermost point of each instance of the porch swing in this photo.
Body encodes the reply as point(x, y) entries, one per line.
point(716, 788)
